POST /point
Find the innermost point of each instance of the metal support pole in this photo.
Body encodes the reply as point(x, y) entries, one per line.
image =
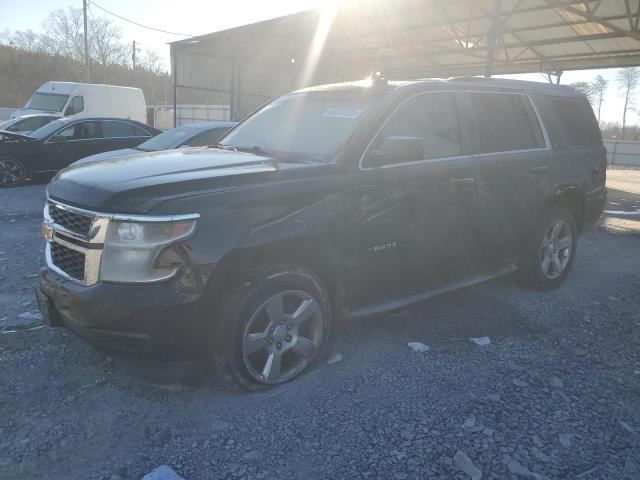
point(133, 60)
point(492, 38)
point(174, 75)
point(232, 89)
point(86, 42)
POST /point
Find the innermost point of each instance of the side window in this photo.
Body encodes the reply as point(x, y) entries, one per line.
point(207, 137)
point(576, 119)
point(139, 132)
point(76, 105)
point(505, 122)
point(79, 131)
point(430, 119)
point(115, 129)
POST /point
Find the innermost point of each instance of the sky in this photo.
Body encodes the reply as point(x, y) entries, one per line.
point(197, 17)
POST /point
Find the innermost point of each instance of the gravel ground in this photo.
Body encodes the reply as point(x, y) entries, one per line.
point(555, 394)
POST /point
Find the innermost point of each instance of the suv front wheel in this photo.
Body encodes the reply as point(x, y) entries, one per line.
point(273, 329)
point(547, 261)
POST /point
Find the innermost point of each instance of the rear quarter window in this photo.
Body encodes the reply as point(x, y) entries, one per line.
point(576, 120)
point(115, 129)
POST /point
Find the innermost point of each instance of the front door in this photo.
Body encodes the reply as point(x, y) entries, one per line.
point(417, 198)
point(70, 144)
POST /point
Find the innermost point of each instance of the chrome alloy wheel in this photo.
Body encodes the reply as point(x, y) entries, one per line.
point(556, 250)
point(282, 336)
point(11, 173)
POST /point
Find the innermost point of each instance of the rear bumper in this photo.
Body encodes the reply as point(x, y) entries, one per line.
point(154, 321)
point(594, 206)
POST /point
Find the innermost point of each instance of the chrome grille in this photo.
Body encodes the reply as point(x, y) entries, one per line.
point(69, 261)
point(72, 221)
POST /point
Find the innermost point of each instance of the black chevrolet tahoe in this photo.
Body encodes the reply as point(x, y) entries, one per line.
point(332, 202)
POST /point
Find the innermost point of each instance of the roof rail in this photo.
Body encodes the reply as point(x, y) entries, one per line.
point(508, 82)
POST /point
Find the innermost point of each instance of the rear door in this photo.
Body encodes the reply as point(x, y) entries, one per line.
point(121, 134)
point(513, 156)
point(416, 226)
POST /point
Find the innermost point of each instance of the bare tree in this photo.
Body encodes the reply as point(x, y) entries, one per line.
point(599, 88)
point(151, 62)
point(586, 88)
point(29, 41)
point(106, 47)
point(64, 35)
point(627, 79)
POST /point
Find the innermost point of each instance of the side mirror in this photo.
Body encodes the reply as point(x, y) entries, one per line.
point(398, 150)
point(57, 139)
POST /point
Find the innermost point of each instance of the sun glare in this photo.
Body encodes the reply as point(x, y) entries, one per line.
point(317, 46)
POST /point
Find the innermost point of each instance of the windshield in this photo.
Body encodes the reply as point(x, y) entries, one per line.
point(49, 128)
point(170, 139)
point(49, 102)
point(315, 124)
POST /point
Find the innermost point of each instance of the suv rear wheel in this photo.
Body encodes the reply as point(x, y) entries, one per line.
point(273, 329)
point(547, 261)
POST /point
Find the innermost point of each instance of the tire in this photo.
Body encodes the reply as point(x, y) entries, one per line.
point(13, 173)
point(273, 329)
point(549, 258)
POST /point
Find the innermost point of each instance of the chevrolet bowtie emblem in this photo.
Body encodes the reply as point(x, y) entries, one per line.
point(47, 231)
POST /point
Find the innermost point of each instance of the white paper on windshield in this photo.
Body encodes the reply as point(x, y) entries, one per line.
point(342, 112)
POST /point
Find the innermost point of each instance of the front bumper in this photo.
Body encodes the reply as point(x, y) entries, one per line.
point(158, 321)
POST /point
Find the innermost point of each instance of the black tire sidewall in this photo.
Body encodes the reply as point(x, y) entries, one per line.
point(24, 169)
point(531, 265)
point(240, 306)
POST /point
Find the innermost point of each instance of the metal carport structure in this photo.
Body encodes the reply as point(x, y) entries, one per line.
point(403, 39)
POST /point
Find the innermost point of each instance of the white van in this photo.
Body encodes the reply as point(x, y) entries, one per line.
point(86, 100)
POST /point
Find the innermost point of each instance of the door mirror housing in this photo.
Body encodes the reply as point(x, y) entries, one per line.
point(397, 150)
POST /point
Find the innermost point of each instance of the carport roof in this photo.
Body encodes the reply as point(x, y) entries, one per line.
point(420, 38)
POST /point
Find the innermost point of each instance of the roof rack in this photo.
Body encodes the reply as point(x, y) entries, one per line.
point(508, 82)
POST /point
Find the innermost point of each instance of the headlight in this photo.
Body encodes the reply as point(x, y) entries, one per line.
point(134, 251)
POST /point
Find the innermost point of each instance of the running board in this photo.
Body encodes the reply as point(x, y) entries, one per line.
point(399, 303)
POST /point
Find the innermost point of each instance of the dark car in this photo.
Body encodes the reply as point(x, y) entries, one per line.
point(331, 202)
point(27, 123)
point(192, 135)
point(62, 142)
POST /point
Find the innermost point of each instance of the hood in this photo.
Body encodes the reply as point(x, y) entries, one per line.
point(137, 183)
point(14, 135)
point(21, 112)
point(123, 152)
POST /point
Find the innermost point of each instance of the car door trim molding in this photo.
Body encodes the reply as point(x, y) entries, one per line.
point(395, 304)
point(545, 135)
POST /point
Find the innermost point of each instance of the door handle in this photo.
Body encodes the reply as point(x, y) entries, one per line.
point(465, 186)
point(539, 170)
point(462, 181)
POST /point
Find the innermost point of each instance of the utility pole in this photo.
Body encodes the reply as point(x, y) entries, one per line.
point(133, 55)
point(86, 42)
point(133, 59)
